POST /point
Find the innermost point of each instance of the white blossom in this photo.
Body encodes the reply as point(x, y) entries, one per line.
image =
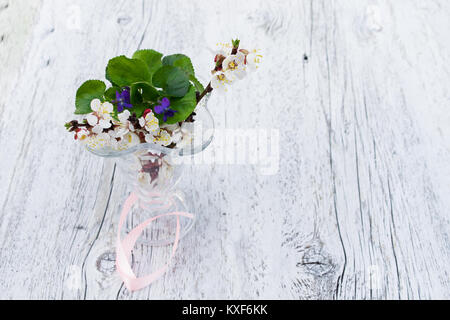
point(234, 66)
point(171, 127)
point(163, 138)
point(149, 122)
point(129, 140)
point(118, 132)
point(98, 141)
point(220, 81)
point(124, 116)
point(174, 130)
point(253, 59)
point(81, 134)
point(123, 126)
point(100, 118)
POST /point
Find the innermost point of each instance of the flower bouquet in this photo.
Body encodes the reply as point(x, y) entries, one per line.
point(154, 112)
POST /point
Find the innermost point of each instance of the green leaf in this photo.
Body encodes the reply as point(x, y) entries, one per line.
point(123, 71)
point(151, 57)
point(142, 96)
point(179, 60)
point(90, 90)
point(110, 93)
point(184, 62)
point(143, 92)
point(184, 107)
point(172, 80)
point(198, 86)
point(135, 95)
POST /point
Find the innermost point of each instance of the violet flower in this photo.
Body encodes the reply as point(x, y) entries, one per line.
point(164, 109)
point(123, 99)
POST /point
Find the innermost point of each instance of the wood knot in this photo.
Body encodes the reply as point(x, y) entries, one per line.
point(124, 20)
point(316, 261)
point(106, 263)
point(272, 22)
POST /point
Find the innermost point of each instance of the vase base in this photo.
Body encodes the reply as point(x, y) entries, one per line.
point(162, 231)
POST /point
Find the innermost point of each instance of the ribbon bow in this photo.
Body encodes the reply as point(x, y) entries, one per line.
point(125, 246)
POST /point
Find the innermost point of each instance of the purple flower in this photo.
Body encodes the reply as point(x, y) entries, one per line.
point(123, 99)
point(164, 109)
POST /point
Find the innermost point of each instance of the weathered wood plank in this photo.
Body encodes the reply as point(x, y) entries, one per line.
point(358, 208)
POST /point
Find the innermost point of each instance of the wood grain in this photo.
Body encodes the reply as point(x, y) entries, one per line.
point(358, 209)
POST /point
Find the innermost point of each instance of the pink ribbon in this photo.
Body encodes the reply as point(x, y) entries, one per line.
point(124, 248)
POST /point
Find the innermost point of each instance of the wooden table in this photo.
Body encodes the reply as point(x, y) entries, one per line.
point(358, 209)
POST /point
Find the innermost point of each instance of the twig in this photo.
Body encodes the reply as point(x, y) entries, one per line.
point(207, 90)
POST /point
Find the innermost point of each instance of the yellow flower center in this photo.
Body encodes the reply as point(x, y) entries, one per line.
point(103, 110)
point(221, 77)
point(232, 65)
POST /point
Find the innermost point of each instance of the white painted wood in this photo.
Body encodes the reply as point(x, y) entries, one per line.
point(358, 209)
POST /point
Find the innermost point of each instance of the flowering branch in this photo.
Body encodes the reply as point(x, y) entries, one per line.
point(219, 60)
point(207, 90)
point(74, 125)
point(152, 97)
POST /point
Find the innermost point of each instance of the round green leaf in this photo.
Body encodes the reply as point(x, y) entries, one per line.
point(90, 90)
point(184, 62)
point(122, 71)
point(179, 60)
point(172, 80)
point(151, 57)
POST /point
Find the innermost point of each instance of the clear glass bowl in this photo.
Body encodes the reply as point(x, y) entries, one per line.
point(153, 173)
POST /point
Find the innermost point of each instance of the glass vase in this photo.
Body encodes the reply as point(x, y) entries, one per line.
point(153, 173)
